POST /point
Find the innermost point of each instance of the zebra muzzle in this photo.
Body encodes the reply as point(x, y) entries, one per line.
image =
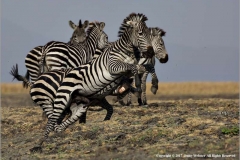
point(164, 59)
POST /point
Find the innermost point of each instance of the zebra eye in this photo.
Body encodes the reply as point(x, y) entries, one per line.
point(140, 33)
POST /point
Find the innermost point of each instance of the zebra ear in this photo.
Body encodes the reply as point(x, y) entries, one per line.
point(102, 25)
point(154, 32)
point(162, 33)
point(85, 24)
point(72, 25)
point(80, 24)
point(132, 24)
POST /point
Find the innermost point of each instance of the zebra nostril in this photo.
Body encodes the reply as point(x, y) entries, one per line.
point(165, 59)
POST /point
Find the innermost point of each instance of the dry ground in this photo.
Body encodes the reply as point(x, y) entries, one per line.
point(193, 119)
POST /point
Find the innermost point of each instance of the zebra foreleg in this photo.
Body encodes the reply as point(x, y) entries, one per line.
point(144, 96)
point(154, 86)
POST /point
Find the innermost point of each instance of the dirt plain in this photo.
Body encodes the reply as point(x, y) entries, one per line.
point(173, 126)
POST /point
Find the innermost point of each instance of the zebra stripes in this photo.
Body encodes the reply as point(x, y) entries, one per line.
point(43, 93)
point(33, 57)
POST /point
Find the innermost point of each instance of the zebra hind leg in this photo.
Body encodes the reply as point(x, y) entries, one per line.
point(83, 118)
point(79, 100)
point(66, 114)
point(77, 112)
point(79, 106)
point(49, 128)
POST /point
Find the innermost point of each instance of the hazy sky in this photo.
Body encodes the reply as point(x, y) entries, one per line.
point(202, 36)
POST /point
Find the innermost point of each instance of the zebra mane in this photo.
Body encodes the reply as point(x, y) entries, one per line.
point(132, 17)
point(91, 26)
point(158, 30)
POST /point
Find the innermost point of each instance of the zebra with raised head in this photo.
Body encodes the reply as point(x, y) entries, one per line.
point(161, 54)
point(33, 57)
point(96, 79)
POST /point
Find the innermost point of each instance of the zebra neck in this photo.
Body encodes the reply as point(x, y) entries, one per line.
point(74, 43)
point(124, 45)
point(91, 46)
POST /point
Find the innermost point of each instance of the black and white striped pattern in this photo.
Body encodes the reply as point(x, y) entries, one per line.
point(57, 55)
point(99, 78)
point(33, 57)
point(43, 91)
point(161, 54)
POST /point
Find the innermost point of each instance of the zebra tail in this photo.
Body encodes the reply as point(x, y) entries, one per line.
point(14, 73)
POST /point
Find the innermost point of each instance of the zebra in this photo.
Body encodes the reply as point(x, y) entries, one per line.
point(57, 55)
point(161, 54)
point(96, 79)
point(33, 57)
point(38, 92)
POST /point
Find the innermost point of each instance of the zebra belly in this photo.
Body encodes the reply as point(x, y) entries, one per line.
point(102, 92)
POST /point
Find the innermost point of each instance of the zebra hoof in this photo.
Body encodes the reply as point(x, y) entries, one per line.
point(82, 121)
point(154, 89)
point(36, 149)
point(128, 104)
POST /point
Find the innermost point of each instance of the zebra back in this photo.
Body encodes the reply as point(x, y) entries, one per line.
point(34, 56)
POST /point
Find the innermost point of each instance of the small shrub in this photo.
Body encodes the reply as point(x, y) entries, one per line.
point(230, 131)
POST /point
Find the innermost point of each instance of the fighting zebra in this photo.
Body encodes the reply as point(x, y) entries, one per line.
point(96, 79)
point(161, 54)
point(33, 57)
